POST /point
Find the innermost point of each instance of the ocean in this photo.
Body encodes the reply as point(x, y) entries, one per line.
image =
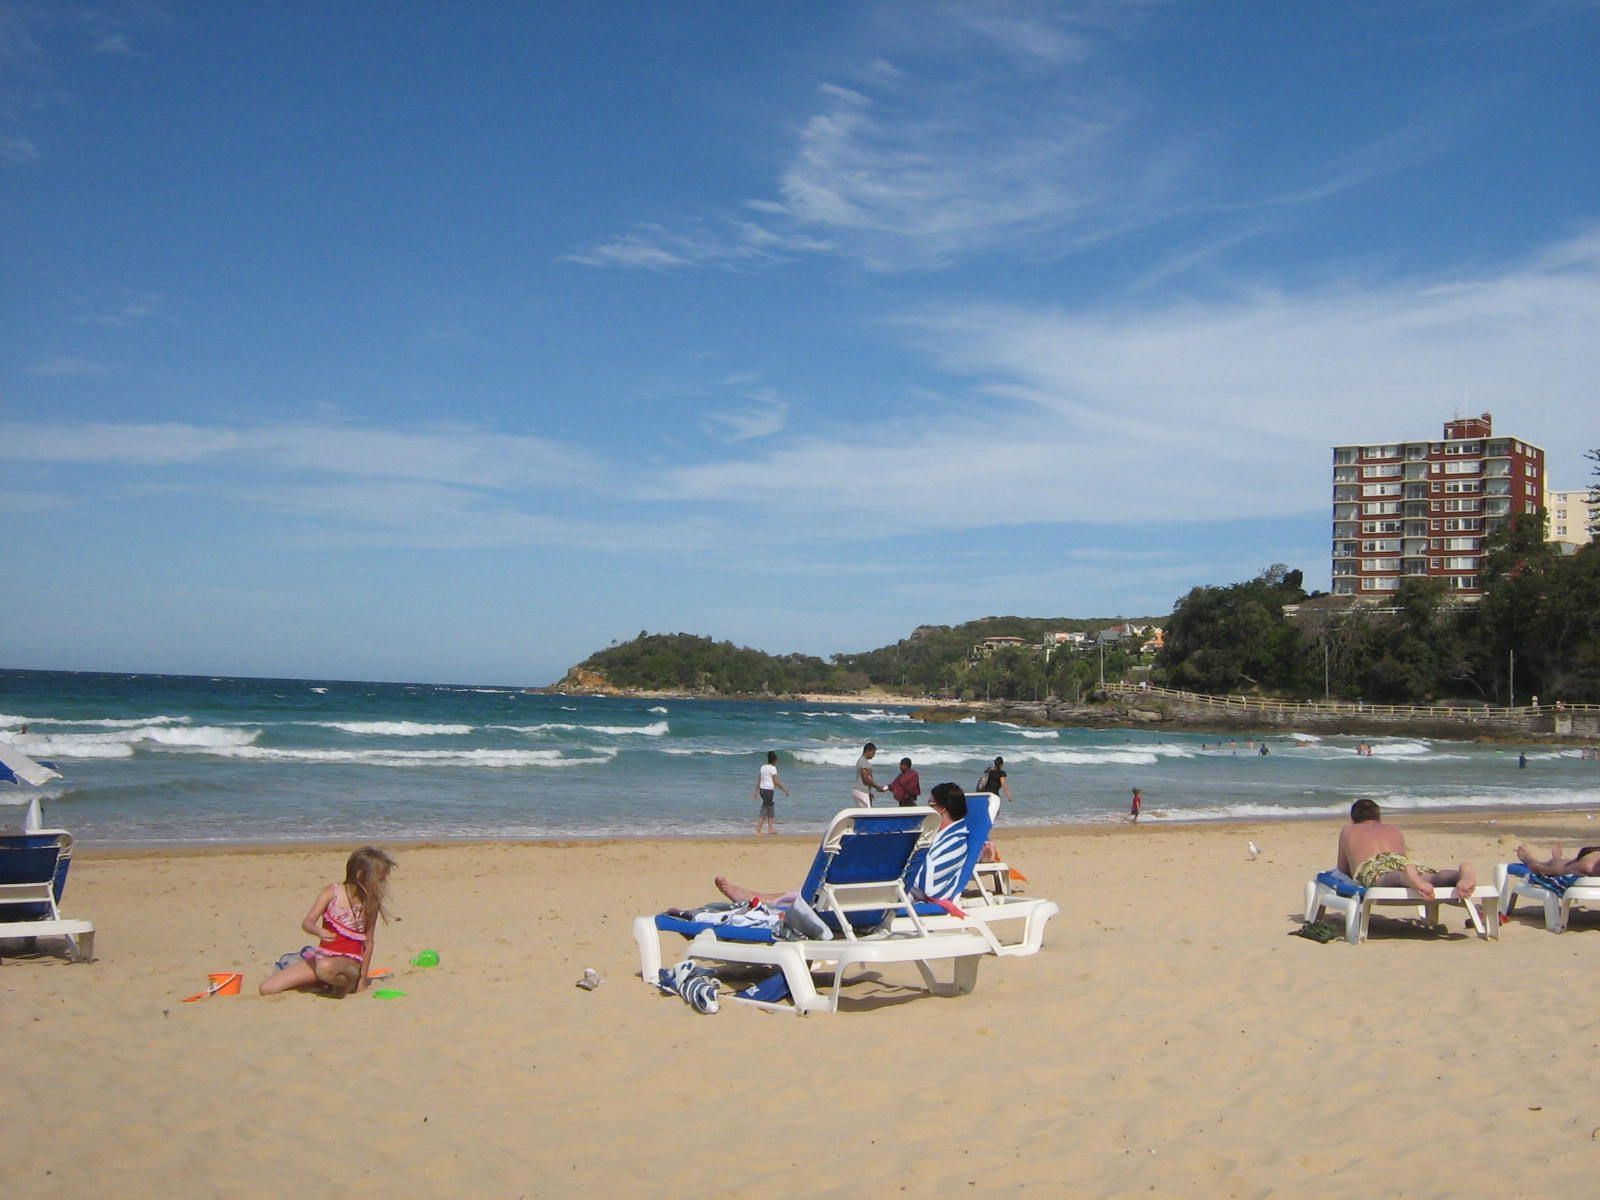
point(154, 760)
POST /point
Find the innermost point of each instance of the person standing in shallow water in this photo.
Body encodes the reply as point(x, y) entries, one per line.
point(993, 780)
point(1136, 807)
point(865, 784)
point(767, 786)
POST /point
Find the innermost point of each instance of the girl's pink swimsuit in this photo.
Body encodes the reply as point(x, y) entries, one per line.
point(345, 937)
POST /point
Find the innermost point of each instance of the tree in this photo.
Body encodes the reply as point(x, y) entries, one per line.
point(1222, 639)
point(1594, 494)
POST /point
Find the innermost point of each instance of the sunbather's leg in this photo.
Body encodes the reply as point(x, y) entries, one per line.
point(1586, 862)
point(1464, 879)
point(740, 894)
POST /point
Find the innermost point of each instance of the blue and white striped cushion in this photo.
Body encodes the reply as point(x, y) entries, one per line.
point(940, 876)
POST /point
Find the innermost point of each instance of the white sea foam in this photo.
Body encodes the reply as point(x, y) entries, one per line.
point(120, 744)
point(320, 691)
point(1040, 734)
point(921, 756)
point(44, 747)
point(1399, 749)
point(1132, 758)
point(499, 759)
point(99, 722)
point(393, 728)
point(657, 709)
point(658, 729)
point(692, 752)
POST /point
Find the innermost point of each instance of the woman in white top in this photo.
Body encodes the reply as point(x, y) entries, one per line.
point(766, 787)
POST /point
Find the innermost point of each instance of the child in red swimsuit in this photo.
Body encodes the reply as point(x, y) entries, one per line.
point(345, 918)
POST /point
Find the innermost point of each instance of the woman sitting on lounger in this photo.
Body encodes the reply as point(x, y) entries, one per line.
point(939, 876)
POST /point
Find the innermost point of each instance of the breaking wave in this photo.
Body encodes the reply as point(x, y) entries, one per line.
point(393, 728)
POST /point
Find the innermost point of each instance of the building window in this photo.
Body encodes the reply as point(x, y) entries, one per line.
point(1460, 564)
point(1379, 585)
point(1465, 466)
point(1463, 543)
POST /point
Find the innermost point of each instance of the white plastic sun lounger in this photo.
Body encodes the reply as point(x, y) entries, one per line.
point(1333, 891)
point(859, 871)
point(31, 869)
point(1515, 882)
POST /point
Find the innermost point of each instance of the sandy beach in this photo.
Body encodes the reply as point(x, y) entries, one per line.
point(1172, 1038)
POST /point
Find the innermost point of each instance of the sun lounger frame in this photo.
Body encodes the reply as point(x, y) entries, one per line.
point(1557, 908)
point(1357, 910)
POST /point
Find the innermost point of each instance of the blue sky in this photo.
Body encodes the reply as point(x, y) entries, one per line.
point(452, 342)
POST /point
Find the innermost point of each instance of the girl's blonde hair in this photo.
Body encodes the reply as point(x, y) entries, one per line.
point(366, 879)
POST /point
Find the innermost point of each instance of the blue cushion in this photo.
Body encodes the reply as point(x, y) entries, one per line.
point(1341, 883)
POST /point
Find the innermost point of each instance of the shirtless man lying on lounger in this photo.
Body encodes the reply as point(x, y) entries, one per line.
point(1585, 862)
point(1374, 855)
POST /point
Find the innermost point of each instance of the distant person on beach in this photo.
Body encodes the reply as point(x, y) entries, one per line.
point(993, 780)
point(938, 876)
point(865, 783)
point(906, 786)
point(1136, 807)
point(1522, 760)
point(767, 785)
point(345, 919)
point(1585, 862)
point(1374, 855)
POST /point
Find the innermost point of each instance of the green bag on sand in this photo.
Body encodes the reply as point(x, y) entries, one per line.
point(1319, 931)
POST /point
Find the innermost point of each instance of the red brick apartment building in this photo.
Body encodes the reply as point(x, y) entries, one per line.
point(1406, 509)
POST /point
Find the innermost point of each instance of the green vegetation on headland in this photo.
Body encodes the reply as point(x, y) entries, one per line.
point(992, 658)
point(1535, 631)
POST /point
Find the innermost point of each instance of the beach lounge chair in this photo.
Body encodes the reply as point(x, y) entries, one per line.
point(33, 875)
point(1334, 891)
point(1558, 894)
point(1014, 925)
point(990, 879)
point(856, 881)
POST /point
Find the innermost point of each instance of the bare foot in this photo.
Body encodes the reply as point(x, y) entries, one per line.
point(739, 895)
point(1466, 881)
point(1415, 880)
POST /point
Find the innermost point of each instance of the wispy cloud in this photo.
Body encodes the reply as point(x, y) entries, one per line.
point(122, 308)
point(726, 243)
point(68, 368)
point(760, 412)
point(1190, 411)
point(460, 456)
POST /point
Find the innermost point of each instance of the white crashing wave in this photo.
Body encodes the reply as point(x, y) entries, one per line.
point(920, 756)
point(97, 722)
point(121, 743)
point(658, 709)
point(1399, 749)
point(393, 728)
point(496, 759)
point(1040, 734)
point(658, 729)
point(1132, 758)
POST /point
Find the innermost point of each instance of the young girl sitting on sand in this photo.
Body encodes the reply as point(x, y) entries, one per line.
point(345, 917)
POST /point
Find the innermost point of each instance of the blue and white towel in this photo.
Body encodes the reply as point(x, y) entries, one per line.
point(940, 875)
point(696, 984)
point(1551, 883)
